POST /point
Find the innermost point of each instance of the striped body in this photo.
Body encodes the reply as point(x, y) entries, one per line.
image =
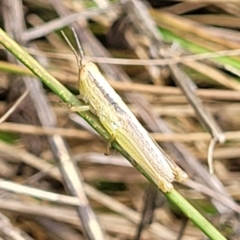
point(120, 122)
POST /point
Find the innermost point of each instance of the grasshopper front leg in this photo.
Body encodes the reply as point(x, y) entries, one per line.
point(82, 108)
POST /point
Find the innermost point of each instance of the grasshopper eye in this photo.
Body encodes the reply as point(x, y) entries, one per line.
point(83, 73)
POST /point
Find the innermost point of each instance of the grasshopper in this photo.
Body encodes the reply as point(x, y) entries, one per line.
point(122, 125)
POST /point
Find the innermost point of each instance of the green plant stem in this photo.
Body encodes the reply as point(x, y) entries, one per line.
point(70, 99)
point(194, 215)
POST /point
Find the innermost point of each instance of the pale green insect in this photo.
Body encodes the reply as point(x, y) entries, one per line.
point(120, 122)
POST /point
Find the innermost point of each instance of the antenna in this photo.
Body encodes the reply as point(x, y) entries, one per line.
point(78, 45)
point(78, 58)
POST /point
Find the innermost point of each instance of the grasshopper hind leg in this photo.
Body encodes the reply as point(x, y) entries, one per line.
point(81, 108)
point(112, 125)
